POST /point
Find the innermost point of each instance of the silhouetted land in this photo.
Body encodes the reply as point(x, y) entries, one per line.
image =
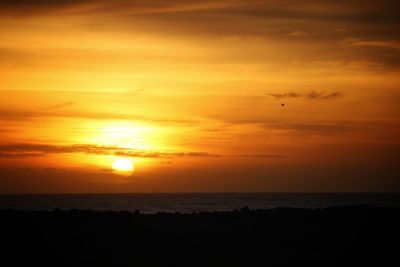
point(326, 237)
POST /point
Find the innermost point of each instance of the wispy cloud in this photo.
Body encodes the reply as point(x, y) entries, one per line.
point(124, 6)
point(315, 127)
point(311, 95)
point(297, 33)
point(60, 105)
point(24, 150)
point(163, 154)
point(27, 150)
point(24, 115)
point(372, 43)
point(374, 24)
point(6, 154)
point(260, 156)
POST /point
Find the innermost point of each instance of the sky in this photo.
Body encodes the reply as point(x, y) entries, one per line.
point(201, 96)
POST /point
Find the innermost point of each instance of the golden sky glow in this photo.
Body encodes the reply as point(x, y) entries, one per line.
point(192, 91)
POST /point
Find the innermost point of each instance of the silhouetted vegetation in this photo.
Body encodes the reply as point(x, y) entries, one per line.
point(284, 236)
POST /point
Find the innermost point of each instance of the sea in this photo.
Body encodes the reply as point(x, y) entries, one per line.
point(193, 202)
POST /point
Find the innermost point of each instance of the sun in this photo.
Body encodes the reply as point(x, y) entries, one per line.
point(123, 165)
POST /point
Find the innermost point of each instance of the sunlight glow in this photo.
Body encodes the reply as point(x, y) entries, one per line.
point(125, 135)
point(123, 165)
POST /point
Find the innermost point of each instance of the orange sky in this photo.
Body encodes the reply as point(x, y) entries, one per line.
point(192, 93)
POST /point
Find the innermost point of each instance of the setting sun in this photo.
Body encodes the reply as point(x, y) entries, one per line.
point(123, 165)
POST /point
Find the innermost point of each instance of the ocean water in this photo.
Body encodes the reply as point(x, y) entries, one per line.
point(196, 202)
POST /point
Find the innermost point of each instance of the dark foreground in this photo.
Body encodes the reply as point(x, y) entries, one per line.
point(279, 237)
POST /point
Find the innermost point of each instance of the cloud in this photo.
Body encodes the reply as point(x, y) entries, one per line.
point(383, 12)
point(24, 115)
point(34, 7)
point(24, 150)
point(30, 150)
point(260, 156)
point(372, 43)
point(20, 154)
point(321, 25)
point(285, 95)
point(301, 127)
point(297, 33)
point(324, 96)
point(315, 127)
point(164, 154)
point(57, 106)
point(312, 95)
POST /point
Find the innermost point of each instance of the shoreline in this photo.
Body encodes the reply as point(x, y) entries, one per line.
point(241, 210)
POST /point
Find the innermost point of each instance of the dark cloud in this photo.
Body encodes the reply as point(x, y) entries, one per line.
point(373, 128)
point(312, 95)
point(33, 7)
point(47, 148)
point(23, 150)
point(372, 11)
point(157, 154)
point(324, 96)
point(334, 5)
point(323, 24)
point(26, 150)
point(316, 128)
point(285, 95)
point(20, 154)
